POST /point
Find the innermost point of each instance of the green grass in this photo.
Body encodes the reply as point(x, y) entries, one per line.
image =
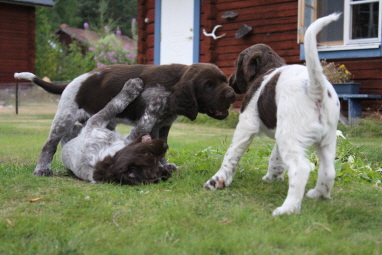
point(177, 216)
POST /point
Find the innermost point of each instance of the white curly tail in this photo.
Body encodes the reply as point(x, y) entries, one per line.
point(25, 75)
point(317, 79)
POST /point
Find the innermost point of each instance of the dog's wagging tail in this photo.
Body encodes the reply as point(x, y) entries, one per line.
point(52, 88)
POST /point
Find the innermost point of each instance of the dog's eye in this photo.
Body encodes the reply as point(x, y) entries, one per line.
point(209, 85)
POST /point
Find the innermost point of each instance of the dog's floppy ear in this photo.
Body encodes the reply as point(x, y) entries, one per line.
point(253, 65)
point(232, 82)
point(238, 80)
point(184, 99)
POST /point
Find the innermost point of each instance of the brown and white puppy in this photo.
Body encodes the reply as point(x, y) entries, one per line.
point(96, 154)
point(137, 163)
point(294, 104)
point(169, 91)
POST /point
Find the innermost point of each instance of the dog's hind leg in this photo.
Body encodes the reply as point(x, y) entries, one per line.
point(298, 173)
point(63, 121)
point(276, 168)
point(66, 116)
point(326, 171)
point(242, 138)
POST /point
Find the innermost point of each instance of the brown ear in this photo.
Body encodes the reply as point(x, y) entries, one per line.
point(184, 99)
point(252, 66)
point(240, 76)
point(232, 82)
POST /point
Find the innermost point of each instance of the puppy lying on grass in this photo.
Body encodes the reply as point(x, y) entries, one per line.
point(97, 154)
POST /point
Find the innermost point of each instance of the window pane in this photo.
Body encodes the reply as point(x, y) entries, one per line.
point(309, 16)
point(335, 30)
point(364, 21)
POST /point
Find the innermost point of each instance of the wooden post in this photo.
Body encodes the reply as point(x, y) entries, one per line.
point(17, 98)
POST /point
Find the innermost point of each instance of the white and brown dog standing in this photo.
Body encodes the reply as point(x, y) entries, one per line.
point(294, 104)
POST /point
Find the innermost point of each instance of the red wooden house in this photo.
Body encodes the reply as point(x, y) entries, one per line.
point(174, 31)
point(17, 36)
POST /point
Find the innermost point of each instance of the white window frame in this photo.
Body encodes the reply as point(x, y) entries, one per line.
point(348, 43)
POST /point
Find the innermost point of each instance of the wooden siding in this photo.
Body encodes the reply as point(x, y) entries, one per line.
point(146, 26)
point(17, 40)
point(274, 23)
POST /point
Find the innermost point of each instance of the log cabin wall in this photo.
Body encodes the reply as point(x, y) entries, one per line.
point(274, 22)
point(17, 40)
point(146, 27)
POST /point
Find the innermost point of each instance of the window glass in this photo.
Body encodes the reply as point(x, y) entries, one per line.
point(364, 20)
point(309, 14)
point(335, 30)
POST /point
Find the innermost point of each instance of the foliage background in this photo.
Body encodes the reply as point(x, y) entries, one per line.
point(75, 13)
point(61, 63)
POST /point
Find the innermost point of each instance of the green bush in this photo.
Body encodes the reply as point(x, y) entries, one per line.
point(366, 127)
point(109, 51)
point(62, 63)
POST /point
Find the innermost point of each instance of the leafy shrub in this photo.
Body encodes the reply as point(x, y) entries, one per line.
point(336, 73)
point(108, 51)
point(61, 63)
point(74, 63)
point(352, 165)
point(366, 127)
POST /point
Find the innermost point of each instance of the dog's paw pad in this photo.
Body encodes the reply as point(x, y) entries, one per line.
point(215, 183)
point(285, 210)
point(266, 178)
point(315, 194)
point(170, 167)
point(43, 172)
point(133, 86)
point(269, 177)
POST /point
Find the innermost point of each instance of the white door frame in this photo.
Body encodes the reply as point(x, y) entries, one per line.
point(196, 37)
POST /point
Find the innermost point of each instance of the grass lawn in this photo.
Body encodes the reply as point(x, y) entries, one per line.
point(177, 216)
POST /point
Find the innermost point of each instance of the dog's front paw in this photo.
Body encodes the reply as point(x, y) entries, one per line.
point(271, 177)
point(316, 194)
point(215, 183)
point(133, 86)
point(43, 172)
point(285, 210)
point(170, 167)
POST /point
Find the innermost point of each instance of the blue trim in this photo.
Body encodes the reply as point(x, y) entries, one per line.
point(339, 54)
point(157, 32)
point(196, 48)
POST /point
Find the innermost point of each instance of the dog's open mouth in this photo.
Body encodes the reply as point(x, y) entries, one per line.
point(219, 115)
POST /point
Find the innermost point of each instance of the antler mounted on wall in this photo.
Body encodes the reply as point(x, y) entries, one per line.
point(212, 34)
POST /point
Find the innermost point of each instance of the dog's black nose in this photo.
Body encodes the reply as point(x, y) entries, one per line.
point(231, 96)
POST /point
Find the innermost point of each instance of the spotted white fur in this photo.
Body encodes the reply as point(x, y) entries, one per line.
point(307, 114)
point(95, 141)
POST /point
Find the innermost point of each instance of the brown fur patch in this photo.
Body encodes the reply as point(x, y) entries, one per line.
point(196, 88)
point(137, 163)
point(267, 103)
point(251, 91)
point(106, 82)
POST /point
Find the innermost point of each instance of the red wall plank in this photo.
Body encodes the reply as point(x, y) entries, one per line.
point(274, 23)
point(17, 40)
